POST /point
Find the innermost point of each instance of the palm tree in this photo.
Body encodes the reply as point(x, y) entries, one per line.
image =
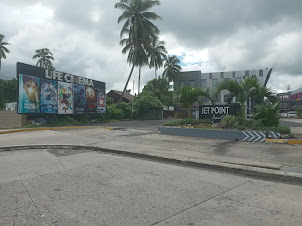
point(171, 67)
point(3, 49)
point(142, 58)
point(137, 27)
point(188, 96)
point(243, 91)
point(157, 52)
point(45, 56)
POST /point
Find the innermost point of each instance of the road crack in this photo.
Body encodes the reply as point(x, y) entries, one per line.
point(31, 198)
point(191, 207)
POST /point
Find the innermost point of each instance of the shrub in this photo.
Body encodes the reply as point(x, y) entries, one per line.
point(299, 112)
point(114, 113)
point(267, 114)
point(146, 102)
point(229, 121)
point(127, 110)
point(187, 121)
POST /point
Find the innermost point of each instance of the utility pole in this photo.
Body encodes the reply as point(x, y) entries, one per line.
point(133, 98)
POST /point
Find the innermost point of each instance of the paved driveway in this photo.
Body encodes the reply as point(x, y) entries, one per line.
point(79, 187)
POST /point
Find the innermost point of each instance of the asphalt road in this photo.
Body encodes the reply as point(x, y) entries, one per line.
point(79, 187)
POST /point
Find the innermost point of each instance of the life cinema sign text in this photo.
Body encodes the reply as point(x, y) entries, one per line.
point(216, 112)
point(42, 91)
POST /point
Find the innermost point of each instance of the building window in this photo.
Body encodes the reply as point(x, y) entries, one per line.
point(204, 83)
point(260, 73)
point(234, 74)
point(182, 83)
point(210, 75)
point(221, 74)
point(192, 83)
point(254, 76)
point(214, 82)
point(247, 73)
point(238, 79)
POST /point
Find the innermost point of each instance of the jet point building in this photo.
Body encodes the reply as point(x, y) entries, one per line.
point(211, 79)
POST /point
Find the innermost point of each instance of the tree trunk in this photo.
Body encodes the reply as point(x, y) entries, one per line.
point(155, 74)
point(121, 98)
point(0, 65)
point(242, 110)
point(139, 79)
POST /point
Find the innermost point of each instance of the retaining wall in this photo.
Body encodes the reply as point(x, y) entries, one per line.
point(10, 119)
point(250, 136)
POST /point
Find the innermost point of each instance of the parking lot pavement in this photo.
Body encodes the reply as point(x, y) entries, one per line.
point(80, 187)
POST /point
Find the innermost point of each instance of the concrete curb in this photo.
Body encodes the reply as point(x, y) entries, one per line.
point(261, 172)
point(55, 128)
point(284, 141)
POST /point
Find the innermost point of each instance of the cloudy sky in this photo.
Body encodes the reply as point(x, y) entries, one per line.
point(207, 35)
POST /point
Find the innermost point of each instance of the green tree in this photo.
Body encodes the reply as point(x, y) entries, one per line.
point(171, 67)
point(248, 88)
point(44, 58)
point(8, 91)
point(156, 52)
point(137, 27)
point(3, 49)
point(160, 88)
point(188, 96)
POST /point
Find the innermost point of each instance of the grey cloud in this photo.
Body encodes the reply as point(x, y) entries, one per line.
point(239, 34)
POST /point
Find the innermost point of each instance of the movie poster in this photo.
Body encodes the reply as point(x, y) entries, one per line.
point(49, 96)
point(29, 95)
point(90, 100)
point(101, 101)
point(65, 94)
point(79, 99)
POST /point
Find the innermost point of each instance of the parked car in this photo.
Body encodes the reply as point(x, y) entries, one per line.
point(284, 114)
point(291, 114)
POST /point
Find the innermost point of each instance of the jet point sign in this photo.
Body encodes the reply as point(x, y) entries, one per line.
point(217, 112)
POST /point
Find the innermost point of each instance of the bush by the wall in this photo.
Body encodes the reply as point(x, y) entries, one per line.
point(112, 112)
point(229, 121)
point(187, 121)
point(267, 114)
point(127, 110)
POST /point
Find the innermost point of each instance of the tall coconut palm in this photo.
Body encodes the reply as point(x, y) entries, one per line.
point(157, 52)
point(3, 49)
point(188, 96)
point(171, 67)
point(44, 57)
point(137, 26)
point(248, 88)
point(142, 58)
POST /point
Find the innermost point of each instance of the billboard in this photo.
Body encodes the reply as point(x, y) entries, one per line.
point(91, 100)
point(43, 91)
point(29, 94)
point(101, 101)
point(79, 99)
point(49, 96)
point(65, 98)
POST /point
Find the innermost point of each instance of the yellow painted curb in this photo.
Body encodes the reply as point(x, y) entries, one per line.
point(55, 128)
point(277, 141)
point(294, 141)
